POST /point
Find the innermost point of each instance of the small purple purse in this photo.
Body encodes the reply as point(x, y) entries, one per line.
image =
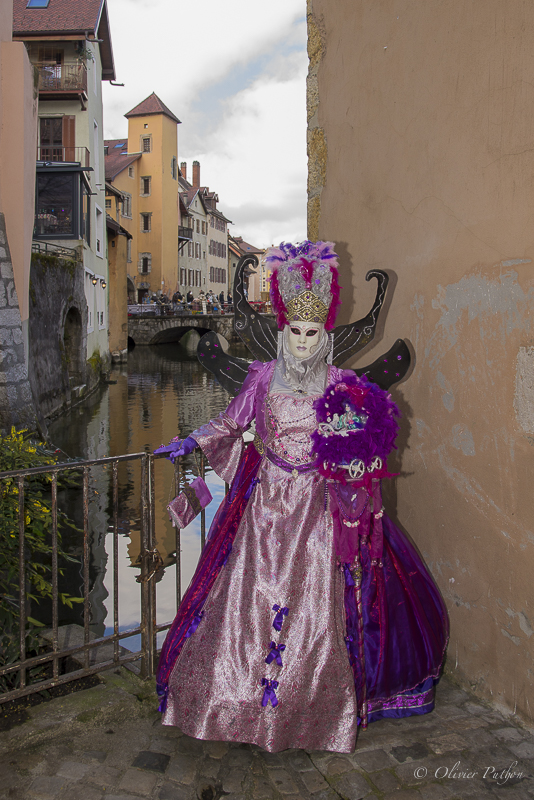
point(189, 503)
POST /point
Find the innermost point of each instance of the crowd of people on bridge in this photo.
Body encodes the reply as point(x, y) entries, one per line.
point(209, 302)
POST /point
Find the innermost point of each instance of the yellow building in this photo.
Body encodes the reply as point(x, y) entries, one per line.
point(144, 168)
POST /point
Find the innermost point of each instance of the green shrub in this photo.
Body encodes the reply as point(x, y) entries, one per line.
point(17, 451)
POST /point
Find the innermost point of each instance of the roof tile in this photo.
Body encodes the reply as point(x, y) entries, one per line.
point(151, 105)
point(61, 16)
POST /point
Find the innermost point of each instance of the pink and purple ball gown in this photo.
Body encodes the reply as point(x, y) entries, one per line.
point(276, 642)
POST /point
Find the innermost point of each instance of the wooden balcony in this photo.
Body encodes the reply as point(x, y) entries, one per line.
point(62, 82)
point(185, 234)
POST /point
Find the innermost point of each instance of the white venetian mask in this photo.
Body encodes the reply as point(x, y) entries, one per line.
point(303, 338)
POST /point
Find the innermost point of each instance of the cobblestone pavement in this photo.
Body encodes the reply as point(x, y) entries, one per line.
point(108, 742)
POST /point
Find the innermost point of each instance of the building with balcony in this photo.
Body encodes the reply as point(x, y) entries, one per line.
point(203, 261)
point(69, 45)
point(144, 168)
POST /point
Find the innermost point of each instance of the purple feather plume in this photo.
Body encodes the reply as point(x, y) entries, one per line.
point(373, 435)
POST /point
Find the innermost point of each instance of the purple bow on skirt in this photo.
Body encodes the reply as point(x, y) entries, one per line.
point(276, 651)
point(279, 618)
point(269, 693)
point(194, 625)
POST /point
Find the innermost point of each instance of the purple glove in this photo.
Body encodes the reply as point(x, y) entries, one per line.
point(178, 448)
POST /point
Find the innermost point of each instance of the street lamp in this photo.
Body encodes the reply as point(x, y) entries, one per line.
point(103, 283)
point(94, 280)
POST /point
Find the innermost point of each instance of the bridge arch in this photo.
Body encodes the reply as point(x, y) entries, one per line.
point(146, 330)
point(169, 335)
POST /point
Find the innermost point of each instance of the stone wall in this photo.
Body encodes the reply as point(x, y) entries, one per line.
point(60, 373)
point(421, 163)
point(16, 403)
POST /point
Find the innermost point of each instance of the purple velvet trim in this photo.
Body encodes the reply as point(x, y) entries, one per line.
point(163, 703)
point(349, 580)
point(278, 621)
point(286, 465)
point(404, 619)
point(417, 701)
point(229, 550)
point(269, 693)
point(222, 533)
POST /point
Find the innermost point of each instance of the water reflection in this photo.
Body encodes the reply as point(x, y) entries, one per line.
point(160, 393)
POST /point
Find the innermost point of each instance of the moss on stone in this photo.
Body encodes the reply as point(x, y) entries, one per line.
point(49, 261)
point(317, 156)
point(95, 363)
point(314, 213)
point(315, 41)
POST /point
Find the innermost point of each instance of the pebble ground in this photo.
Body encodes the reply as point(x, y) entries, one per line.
point(108, 742)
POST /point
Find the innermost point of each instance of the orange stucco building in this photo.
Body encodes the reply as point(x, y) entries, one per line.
point(421, 121)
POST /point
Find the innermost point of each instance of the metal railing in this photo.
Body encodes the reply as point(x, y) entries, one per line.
point(52, 154)
point(85, 654)
point(182, 309)
point(47, 248)
point(62, 77)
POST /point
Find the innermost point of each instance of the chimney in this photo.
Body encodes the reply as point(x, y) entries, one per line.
point(196, 174)
point(183, 169)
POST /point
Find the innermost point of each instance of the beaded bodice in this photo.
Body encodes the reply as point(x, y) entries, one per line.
point(290, 420)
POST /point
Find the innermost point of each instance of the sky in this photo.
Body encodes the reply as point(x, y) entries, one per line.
point(234, 73)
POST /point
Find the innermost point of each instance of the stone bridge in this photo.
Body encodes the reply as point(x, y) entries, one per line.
point(158, 330)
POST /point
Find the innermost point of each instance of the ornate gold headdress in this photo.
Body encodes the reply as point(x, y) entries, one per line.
point(307, 307)
point(304, 282)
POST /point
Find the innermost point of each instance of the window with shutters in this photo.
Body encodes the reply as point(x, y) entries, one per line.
point(57, 139)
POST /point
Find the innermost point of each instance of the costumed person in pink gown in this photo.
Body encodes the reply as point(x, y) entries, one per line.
point(310, 613)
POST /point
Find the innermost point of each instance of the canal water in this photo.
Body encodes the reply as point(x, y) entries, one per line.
point(161, 392)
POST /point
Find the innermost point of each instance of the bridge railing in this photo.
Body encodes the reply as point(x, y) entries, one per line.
point(180, 310)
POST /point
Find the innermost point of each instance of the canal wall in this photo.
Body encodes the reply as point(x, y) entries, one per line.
point(59, 370)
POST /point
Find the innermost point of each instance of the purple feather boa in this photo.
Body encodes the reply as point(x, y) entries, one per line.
point(369, 431)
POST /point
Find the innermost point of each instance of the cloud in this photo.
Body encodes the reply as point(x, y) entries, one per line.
point(234, 73)
point(256, 158)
